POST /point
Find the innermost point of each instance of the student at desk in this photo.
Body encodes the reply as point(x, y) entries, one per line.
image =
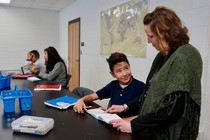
point(120, 91)
point(170, 106)
point(55, 67)
point(33, 58)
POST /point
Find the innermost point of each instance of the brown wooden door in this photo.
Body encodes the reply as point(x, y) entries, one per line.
point(74, 53)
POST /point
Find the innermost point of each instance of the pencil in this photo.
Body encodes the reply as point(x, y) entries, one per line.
point(87, 107)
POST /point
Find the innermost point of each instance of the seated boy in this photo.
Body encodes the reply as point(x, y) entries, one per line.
point(120, 91)
point(33, 58)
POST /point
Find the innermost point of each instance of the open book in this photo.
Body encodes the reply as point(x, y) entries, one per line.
point(62, 102)
point(48, 87)
point(99, 114)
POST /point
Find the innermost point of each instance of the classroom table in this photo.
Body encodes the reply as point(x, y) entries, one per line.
point(68, 124)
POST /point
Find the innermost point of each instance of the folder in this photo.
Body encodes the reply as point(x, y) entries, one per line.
point(62, 102)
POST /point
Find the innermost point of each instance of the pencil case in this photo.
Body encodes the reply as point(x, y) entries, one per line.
point(33, 125)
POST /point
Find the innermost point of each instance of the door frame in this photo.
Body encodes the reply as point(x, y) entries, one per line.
point(75, 80)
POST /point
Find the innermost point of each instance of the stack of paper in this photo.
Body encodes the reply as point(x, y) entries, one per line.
point(99, 114)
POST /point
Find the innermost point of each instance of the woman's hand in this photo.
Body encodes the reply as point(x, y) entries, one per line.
point(115, 109)
point(122, 125)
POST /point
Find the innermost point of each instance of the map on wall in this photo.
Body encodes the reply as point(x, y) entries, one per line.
point(122, 29)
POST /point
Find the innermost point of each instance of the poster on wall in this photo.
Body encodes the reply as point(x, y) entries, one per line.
point(122, 29)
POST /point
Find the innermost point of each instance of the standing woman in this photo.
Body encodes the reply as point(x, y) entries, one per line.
point(55, 67)
point(170, 106)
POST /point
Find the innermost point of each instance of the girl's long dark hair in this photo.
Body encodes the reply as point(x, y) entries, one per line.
point(53, 58)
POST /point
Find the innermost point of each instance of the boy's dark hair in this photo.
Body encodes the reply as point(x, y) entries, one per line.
point(35, 52)
point(116, 58)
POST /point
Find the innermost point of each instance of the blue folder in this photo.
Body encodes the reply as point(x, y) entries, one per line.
point(62, 102)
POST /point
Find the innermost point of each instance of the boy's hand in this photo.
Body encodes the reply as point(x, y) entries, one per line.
point(33, 68)
point(80, 106)
point(29, 56)
point(115, 109)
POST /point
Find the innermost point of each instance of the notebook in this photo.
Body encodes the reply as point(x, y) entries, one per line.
point(48, 87)
point(61, 102)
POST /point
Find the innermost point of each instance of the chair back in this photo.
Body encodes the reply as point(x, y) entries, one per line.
point(82, 91)
point(67, 80)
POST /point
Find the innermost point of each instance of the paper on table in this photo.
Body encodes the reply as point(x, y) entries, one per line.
point(33, 79)
point(99, 114)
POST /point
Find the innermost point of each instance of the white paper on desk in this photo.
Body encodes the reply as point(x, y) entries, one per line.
point(99, 114)
point(33, 79)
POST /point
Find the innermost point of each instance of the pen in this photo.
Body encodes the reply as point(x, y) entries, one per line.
point(87, 107)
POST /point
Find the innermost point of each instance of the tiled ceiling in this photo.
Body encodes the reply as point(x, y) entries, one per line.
point(41, 4)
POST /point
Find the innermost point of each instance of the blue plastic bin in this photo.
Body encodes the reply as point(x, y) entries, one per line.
point(9, 105)
point(9, 97)
point(25, 97)
point(7, 81)
point(4, 81)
